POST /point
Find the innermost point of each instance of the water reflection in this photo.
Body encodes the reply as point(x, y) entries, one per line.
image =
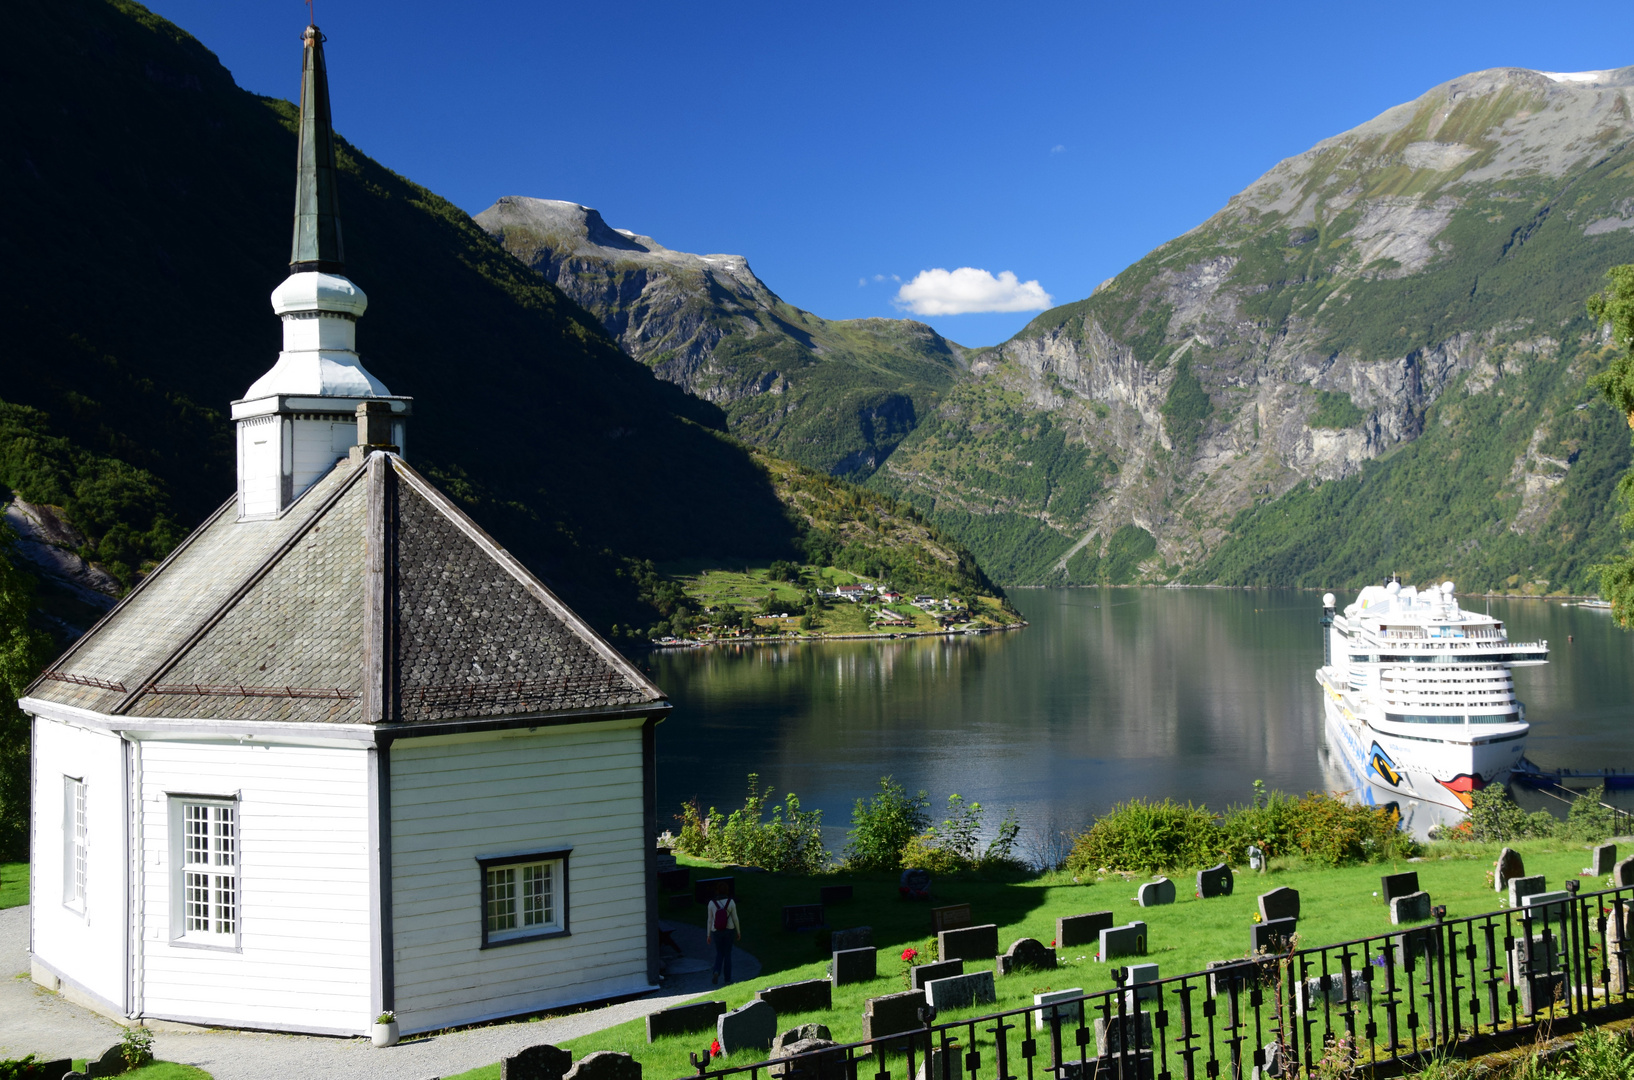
point(1109, 694)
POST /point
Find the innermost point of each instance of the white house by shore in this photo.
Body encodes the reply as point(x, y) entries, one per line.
point(340, 753)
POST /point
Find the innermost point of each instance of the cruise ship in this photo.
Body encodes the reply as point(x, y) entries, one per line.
point(1418, 693)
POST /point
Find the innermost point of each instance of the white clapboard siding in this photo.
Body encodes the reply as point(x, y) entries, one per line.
point(86, 946)
point(303, 834)
point(456, 800)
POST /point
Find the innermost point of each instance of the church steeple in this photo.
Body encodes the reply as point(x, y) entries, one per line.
point(317, 244)
point(318, 401)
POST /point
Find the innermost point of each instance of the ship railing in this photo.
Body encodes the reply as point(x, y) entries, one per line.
point(1390, 1001)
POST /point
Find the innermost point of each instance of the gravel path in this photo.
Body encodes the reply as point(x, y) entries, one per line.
point(37, 1021)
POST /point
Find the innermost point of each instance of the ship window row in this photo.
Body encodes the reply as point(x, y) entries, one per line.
point(1452, 718)
point(1503, 658)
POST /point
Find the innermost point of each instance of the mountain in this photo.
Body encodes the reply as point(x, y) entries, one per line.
point(832, 395)
point(150, 204)
point(1370, 360)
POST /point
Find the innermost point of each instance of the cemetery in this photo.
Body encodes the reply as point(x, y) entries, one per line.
point(1065, 918)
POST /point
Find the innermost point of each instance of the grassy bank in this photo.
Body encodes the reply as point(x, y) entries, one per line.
point(1337, 905)
point(13, 884)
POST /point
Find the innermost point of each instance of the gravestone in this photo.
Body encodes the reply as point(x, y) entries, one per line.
point(1141, 978)
point(961, 991)
point(1603, 859)
point(1410, 908)
point(543, 1062)
point(818, 1058)
point(1256, 859)
point(1622, 875)
point(1394, 885)
point(1273, 936)
point(942, 1064)
point(1061, 1014)
point(1126, 940)
point(892, 1014)
point(111, 1063)
point(703, 890)
point(802, 916)
point(1547, 905)
point(949, 917)
point(788, 1038)
point(1522, 887)
point(1111, 1037)
point(914, 884)
point(606, 1065)
point(56, 1070)
point(1534, 971)
point(1619, 939)
point(1215, 881)
point(854, 966)
point(1410, 947)
point(971, 943)
point(1323, 990)
point(807, 995)
point(1508, 867)
point(676, 880)
point(1082, 929)
point(748, 1027)
point(684, 1019)
point(1025, 954)
point(857, 937)
point(834, 894)
point(1156, 893)
point(1280, 903)
point(920, 974)
point(1225, 976)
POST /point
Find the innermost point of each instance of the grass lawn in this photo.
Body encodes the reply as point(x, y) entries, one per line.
point(160, 1070)
point(13, 884)
point(1336, 905)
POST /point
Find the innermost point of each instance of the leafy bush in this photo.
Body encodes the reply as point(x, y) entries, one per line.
point(882, 827)
point(1494, 817)
point(792, 841)
point(136, 1047)
point(1590, 818)
point(1142, 835)
point(23, 652)
point(956, 845)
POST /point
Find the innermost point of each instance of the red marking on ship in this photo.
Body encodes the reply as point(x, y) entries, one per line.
point(1464, 786)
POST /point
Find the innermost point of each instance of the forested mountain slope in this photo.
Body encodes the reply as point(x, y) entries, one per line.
point(1371, 360)
point(835, 395)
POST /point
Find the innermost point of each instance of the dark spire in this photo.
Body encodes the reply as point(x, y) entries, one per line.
point(317, 244)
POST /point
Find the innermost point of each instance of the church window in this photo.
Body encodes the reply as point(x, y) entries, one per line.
point(75, 831)
point(205, 882)
point(524, 897)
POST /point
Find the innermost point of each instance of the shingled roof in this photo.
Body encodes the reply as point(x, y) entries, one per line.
point(373, 600)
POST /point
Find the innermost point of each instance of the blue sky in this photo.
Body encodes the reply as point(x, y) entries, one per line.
point(846, 149)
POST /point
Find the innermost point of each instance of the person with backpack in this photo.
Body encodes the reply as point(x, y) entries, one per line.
point(720, 924)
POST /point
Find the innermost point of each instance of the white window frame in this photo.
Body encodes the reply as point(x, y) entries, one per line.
point(206, 899)
point(510, 888)
point(76, 829)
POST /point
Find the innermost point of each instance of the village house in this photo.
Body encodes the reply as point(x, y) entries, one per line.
point(340, 753)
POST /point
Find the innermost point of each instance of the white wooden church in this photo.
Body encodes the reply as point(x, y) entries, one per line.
point(340, 753)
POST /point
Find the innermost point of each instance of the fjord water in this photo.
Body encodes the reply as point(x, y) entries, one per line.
point(1108, 694)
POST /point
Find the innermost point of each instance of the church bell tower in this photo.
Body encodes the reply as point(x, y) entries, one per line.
point(318, 400)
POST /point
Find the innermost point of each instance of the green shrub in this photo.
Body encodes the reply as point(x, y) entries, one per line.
point(1590, 818)
point(1145, 836)
point(1494, 817)
point(955, 844)
point(792, 841)
point(22, 653)
point(924, 853)
point(136, 1047)
point(882, 827)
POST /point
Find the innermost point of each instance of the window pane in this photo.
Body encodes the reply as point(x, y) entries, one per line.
point(79, 839)
point(502, 899)
point(198, 834)
point(226, 837)
point(197, 901)
point(226, 904)
point(537, 907)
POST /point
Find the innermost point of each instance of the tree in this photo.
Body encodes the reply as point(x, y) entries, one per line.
point(22, 653)
point(1614, 307)
point(882, 826)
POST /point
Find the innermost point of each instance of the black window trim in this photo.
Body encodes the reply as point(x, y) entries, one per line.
point(511, 860)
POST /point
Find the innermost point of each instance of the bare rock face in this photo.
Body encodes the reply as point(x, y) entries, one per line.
point(50, 547)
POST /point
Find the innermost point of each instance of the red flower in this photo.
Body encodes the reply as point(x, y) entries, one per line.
point(1052, 943)
point(715, 1048)
point(910, 955)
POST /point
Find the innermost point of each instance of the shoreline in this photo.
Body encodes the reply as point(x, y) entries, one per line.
point(1563, 597)
point(811, 639)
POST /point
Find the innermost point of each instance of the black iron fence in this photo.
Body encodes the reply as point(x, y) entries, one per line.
point(1382, 1000)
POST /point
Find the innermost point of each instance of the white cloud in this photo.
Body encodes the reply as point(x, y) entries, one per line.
point(1058, 149)
point(968, 290)
point(861, 282)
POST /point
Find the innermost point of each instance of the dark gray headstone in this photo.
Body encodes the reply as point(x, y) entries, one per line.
point(1323, 990)
point(1112, 1038)
point(949, 917)
point(1126, 940)
point(1273, 935)
point(970, 943)
point(56, 1070)
point(1547, 905)
point(1603, 859)
point(1156, 893)
point(1280, 903)
point(817, 1059)
point(857, 937)
point(1534, 971)
point(1522, 887)
point(920, 974)
point(1412, 946)
point(1026, 954)
point(1410, 908)
point(808, 995)
point(854, 966)
point(684, 1019)
point(1622, 875)
point(1394, 885)
point(1226, 975)
point(799, 1034)
point(703, 890)
point(891, 1014)
point(1062, 1015)
point(962, 991)
point(942, 1064)
point(676, 880)
point(748, 1027)
point(834, 894)
point(605, 1065)
point(1215, 881)
point(802, 916)
point(1508, 867)
point(1082, 929)
point(1142, 978)
point(111, 1063)
point(542, 1062)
